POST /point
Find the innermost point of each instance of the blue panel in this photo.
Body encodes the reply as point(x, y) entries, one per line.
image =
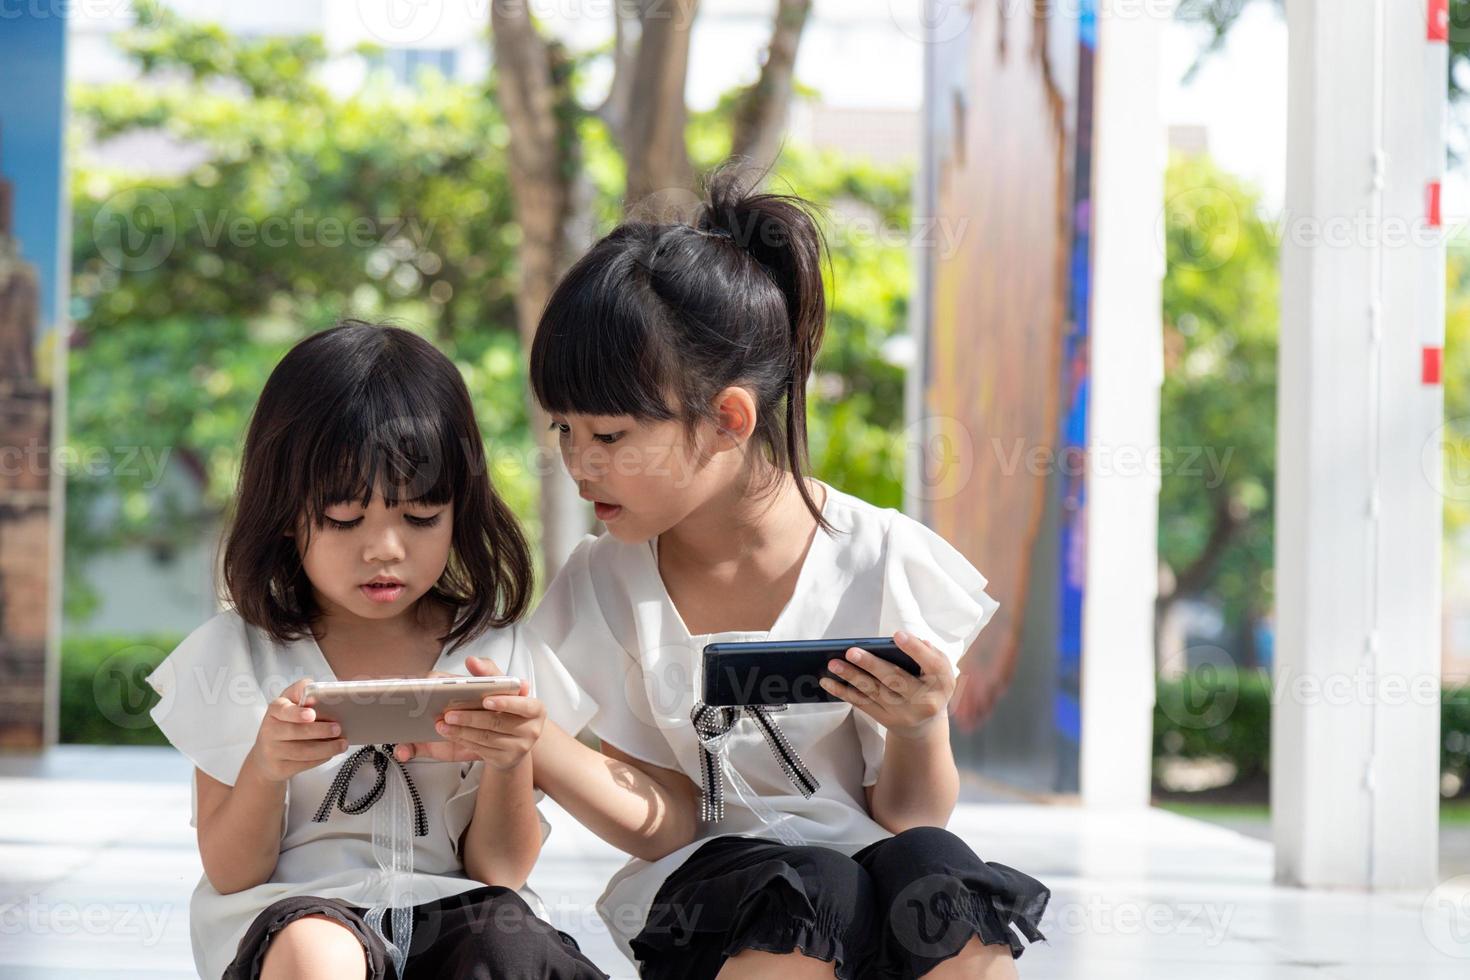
point(32, 113)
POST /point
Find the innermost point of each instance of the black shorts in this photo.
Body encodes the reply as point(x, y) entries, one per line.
point(485, 932)
point(896, 908)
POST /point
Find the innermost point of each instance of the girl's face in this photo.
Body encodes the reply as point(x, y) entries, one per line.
point(643, 477)
point(377, 561)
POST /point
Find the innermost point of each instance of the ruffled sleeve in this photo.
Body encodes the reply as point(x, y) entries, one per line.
point(933, 592)
point(569, 621)
point(210, 702)
point(566, 703)
point(459, 809)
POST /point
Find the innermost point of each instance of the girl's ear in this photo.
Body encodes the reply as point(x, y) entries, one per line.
point(735, 410)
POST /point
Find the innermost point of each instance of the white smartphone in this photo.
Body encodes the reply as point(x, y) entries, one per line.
point(400, 709)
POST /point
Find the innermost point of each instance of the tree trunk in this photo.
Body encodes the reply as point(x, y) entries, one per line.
point(549, 190)
point(645, 113)
point(760, 119)
point(651, 132)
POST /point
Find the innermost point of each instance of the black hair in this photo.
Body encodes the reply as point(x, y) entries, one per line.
point(358, 409)
point(658, 318)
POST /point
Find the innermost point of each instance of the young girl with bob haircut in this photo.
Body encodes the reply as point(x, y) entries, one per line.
point(366, 541)
point(673, 360)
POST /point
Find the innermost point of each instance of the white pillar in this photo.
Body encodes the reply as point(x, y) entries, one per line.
point(1355, 725)
point(1129, 155)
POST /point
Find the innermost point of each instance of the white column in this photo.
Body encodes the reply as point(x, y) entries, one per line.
point(1355, 725)
point(1130, 153)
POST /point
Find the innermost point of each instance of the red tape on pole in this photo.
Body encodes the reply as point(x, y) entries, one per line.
point(1439, 20)
point(1432, 365)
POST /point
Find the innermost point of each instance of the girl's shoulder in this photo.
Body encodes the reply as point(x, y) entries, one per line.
point(586, 592)
point(926, 585)
point(867, 534)
point(213, 690)
point(226, 645)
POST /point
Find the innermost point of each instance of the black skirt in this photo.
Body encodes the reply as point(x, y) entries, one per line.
point(485, 932)
point(896, 908)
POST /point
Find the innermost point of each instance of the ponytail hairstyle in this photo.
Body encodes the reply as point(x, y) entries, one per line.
point(657, 319)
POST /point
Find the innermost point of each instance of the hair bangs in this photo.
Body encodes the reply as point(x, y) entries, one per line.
point(385, 441)
point(595, 350)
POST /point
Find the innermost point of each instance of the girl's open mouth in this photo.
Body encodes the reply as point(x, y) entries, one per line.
point(606, 512)
point(382, 591)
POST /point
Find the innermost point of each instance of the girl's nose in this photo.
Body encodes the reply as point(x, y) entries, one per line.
point(573, 462)
point(387, 546)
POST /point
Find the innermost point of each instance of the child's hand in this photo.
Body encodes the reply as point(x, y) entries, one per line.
point(500, 732)
point(290, 739)
point(906, 705)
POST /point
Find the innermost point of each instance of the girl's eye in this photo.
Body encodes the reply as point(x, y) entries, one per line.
point(342, 525)
point(423, 521)
point(606, 438)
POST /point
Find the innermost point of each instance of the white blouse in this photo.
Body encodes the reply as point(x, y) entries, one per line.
point(610, 620)
point(213, 691)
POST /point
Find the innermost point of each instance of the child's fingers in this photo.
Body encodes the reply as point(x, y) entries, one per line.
point(312, 751)
point(404, 751)
point(294, 692)
point(482, 667)
point(856, 676)
point(473, 718)
point(893, 677)
point(285, 710)
point(929, 659)
point(468, 736)
point(846, 692)
point(310, 730)
point(515, 705)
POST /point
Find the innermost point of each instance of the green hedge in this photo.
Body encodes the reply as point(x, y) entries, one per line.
point(1222, 713)
point(104, 697)
point(1211, 713)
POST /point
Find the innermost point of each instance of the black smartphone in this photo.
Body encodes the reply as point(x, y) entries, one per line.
point(785, 671)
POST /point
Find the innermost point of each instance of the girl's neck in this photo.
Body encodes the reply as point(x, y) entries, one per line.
point(404, 646)
point(736, 527)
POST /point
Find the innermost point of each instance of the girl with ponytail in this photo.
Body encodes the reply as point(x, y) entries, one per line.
point(673, 360)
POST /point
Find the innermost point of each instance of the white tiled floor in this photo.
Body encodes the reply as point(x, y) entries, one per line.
point(97, 861)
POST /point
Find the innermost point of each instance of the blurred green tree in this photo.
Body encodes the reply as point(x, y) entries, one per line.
point(1218, 401)
point(286, 205)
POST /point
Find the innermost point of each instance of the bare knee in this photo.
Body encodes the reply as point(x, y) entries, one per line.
point(759, 963)
point(313, 947)
point(977, 961)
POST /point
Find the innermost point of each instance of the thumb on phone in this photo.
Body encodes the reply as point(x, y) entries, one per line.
point(482, 667)
point(294, 692)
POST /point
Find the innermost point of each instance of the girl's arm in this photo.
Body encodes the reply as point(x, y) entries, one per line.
point(240, 825)
point(239, 828)
point(503, 840)
point(918, 784)
point(646, 810)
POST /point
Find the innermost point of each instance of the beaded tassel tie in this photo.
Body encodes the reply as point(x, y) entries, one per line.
point(713, 724)
point(381, 756)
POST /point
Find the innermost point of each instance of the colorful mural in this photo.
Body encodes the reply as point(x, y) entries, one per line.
point(1009, 169)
